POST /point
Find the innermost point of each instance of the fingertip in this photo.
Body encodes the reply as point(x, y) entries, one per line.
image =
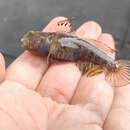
point(107, 39)
point(89, 30)
point(2, 67)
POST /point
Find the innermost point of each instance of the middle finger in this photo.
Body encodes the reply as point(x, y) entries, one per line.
point(60, 81)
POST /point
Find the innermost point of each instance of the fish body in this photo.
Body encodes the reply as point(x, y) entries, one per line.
point(75, 49)
point(65, 47)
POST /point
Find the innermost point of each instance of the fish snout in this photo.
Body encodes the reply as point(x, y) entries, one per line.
point(24, 43)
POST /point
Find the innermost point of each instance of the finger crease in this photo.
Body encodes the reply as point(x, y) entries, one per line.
point(121, 108)
point(20, 83)
point(59, 92)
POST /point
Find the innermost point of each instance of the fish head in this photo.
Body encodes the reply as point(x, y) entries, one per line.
point(35, 41)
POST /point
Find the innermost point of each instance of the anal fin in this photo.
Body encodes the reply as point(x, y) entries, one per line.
point(92, 71)
point(89, 69)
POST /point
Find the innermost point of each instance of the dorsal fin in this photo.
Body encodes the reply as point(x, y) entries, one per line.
point(65, 25)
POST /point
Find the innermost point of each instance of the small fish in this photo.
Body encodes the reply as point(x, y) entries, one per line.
point(90, 59)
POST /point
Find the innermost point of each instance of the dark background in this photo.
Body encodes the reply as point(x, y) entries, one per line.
point(19, 16)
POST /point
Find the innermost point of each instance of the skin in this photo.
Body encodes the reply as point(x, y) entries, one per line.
point(35, 97)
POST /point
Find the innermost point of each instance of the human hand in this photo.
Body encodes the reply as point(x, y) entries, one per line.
point(34, 98)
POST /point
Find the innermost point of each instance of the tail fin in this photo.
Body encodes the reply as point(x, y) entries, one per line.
point(121, 76)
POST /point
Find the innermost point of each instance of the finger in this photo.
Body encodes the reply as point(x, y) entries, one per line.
point(60, 81)
point(2, 67)
point(28, 69)
point(95, 90)
point(118, 117)
point(53, 25)
point(109, 41)
point(89, 30)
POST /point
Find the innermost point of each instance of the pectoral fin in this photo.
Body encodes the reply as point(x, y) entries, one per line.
point(95, 70)
point(89, 69)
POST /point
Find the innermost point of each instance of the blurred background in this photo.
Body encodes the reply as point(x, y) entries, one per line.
point(19, 16)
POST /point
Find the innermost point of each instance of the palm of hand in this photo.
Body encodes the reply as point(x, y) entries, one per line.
point(82, 103)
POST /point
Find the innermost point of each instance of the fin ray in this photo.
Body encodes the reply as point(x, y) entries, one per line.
point(64, 25)
point(93, 70)
point(121, 76)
